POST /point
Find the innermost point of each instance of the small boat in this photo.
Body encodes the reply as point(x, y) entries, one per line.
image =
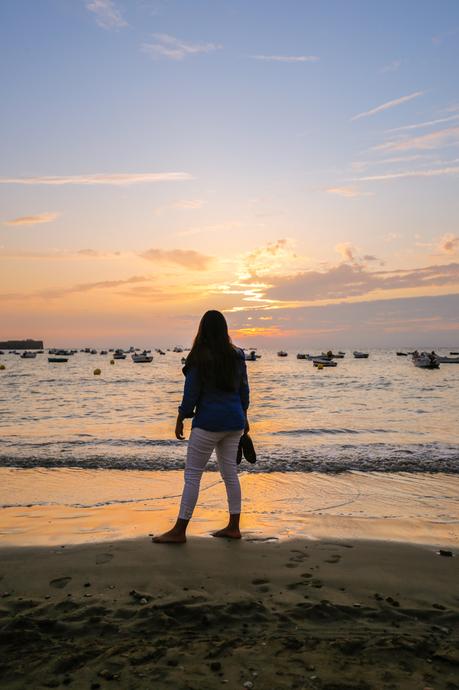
point(301, 355)
point(282, 353)
point(425, 360)
point(402, 354)
point(103, 352)
point(360, 355)
point(119, 354)
point(447, 360)
point(454, 353)
point(57, 359)
point(93, 352)
point(250, 356)
point(177, 349)
point(324, 362)
point(142, 358)
point(341, 353)
point(28, 355)
point(330, 355)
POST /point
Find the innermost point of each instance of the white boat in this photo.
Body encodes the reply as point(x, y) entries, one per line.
point(28, 355)
point(282, 353)
point(324, 362)
point(425, 360)
point(360, 355)
point(142, 358)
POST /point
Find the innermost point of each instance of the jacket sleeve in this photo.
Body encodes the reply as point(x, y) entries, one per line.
point(191, 392)
point(244, 391)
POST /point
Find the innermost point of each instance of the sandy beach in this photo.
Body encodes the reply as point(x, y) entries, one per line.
point(329, 614)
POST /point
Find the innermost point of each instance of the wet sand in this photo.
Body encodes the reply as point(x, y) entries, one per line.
point(327, 614)
point(68, 506)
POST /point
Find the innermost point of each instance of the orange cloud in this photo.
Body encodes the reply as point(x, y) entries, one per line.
point(188, 258)
point(33, 220)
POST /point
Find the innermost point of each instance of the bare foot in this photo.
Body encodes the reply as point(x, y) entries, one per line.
point(171, 537)
point(228, 533)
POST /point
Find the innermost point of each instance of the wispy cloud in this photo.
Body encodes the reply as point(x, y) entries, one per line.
point(188, 258)
point(185, 204)
point(358, 166)
point(347, 192)
point(435, 172)
point(33, 220)
point(174, 48)
point(58, 254)
point(58, 292)
point(389, 104)
point(420, 125)
point(116, 179)
point(449, 243)
point(286, 58)
point(391, 66)
point(107, 14)
point(439, 38)
point(434, 140)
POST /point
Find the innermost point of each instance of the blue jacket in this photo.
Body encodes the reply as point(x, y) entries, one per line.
point(211, 408)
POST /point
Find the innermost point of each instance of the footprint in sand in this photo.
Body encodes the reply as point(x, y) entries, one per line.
point(102, 558)
point(60, 582)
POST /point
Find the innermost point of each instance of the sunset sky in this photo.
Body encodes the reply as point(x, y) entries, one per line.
point(293, 163)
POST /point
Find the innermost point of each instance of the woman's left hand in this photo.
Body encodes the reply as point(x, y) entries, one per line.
point(179, 429)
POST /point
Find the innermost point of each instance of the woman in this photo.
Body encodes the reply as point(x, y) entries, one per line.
point(216, 395)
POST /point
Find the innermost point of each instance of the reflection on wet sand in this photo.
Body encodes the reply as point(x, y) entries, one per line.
point(74, 506)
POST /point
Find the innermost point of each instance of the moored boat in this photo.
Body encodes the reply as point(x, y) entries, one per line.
point(55, 359)
point(119, 354)
point(360, 355)
point(425, 360)
point(324, 362)
point(142, 357)
point(28, 355)
point(282, 353)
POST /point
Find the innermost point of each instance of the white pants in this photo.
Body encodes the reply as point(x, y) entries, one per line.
point(200, 447)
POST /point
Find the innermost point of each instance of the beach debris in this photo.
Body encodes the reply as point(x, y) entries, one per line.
point(445, 552)
point(108, 675)
point(138, 596)
point(97, 372)
point(60, 582)
point(392, 601)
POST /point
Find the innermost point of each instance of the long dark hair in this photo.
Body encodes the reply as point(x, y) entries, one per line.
point(213, 353)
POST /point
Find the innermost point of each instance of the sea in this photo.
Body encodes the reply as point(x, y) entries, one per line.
point(379, 414)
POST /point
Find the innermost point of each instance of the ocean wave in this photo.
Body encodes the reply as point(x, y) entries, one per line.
point(429, 458)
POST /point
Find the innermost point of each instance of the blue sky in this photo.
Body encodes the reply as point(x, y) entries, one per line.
point(268, 156)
